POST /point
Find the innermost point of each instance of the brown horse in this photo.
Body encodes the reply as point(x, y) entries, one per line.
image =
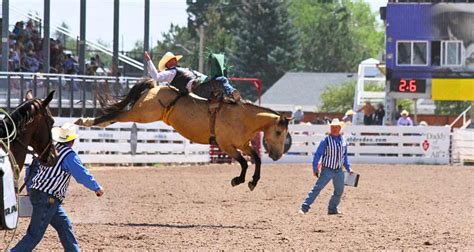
point(33, 122)
point(236, 124)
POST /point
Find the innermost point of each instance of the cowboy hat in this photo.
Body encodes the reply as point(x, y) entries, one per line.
point(67, 132)
point(404, 112)
point(336, 122)
point(349, 112)
point(167, 57)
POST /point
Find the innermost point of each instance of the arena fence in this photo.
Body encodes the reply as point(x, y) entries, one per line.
point(131, 143)
point(374, 144)
point(463, 146)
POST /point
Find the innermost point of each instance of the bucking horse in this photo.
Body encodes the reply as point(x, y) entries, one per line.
point(236, 123)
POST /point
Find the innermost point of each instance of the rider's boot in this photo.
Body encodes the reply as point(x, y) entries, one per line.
point(236, 95)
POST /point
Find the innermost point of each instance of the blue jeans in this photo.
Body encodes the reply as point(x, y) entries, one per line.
point(47, 210)
point(226, 84)
point(208, 89)
point(326, 175)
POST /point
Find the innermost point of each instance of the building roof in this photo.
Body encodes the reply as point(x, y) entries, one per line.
point(302, 88)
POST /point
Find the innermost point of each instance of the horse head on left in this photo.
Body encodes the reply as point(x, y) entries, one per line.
point(33, 121)
point(275, 136)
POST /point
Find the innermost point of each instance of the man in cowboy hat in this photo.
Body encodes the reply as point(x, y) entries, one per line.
point(184, 79)
point(48, 190)
point(347, 119)
point(333, 151)
point(404, 120)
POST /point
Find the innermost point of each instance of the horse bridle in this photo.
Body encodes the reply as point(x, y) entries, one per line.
point(50, 142)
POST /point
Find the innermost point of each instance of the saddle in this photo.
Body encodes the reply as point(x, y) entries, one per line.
point(215, 101)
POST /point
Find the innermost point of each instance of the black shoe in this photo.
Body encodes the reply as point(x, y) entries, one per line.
point(335, 213)
point(212, 140)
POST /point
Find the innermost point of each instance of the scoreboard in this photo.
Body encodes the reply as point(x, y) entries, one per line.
point(409, 88)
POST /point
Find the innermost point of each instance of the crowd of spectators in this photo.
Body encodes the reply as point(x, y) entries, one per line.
point(26, 53)
point(26, 49)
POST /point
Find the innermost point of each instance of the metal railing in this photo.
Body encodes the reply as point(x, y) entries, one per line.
point(124, 58)
point(76, 95)
point(465, 122)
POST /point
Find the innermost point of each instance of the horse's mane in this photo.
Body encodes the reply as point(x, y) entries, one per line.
point(20, 117)
point(262, 108)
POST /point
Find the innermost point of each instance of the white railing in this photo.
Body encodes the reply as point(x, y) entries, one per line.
point(124, 143)
point(465, 122)
point(374, 144)
point(463, 146)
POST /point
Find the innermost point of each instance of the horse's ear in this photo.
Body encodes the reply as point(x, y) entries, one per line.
point(48, 99)
point(284, 121)
point(29, 95)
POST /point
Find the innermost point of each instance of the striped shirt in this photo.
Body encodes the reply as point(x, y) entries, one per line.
point(333, 151)
point(55, 180)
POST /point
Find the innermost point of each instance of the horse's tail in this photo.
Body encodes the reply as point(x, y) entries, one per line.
point(133, 95)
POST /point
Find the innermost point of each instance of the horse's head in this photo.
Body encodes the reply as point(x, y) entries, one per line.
point(38, 130)
point(275, 136)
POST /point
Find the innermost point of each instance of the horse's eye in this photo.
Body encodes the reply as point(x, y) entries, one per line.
point(278, 133)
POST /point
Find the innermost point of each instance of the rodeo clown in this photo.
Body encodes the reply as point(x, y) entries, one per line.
point(333, 151)
point(48, 189)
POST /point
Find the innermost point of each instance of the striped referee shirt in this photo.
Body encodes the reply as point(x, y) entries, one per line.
point(55, 180)
point(333, 151)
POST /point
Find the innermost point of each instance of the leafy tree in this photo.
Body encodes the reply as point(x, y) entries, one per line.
point(105, 59)
point(335, 35)
point(179, 41)
point(67, 42)
point(451, 107)
point(266, 44)
point(217, 18)
point(338, 98)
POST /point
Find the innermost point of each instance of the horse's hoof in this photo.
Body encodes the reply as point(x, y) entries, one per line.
point(235, 181)
point(79, 122)
point(87, 122)
point(251, 186)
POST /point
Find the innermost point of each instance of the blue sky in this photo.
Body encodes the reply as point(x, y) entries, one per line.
point(100, 17)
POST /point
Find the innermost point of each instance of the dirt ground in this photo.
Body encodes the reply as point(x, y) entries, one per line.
point(195, 208)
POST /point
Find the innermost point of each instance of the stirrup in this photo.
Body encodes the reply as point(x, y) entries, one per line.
point(212, 140)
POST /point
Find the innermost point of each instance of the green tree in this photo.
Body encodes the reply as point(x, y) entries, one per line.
point(451, 107)
point(266, 45)
point(67, 42)
point(179, 41)
point(105, 59)
point(217, 18)
point(338, 98)
point(336, 35)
